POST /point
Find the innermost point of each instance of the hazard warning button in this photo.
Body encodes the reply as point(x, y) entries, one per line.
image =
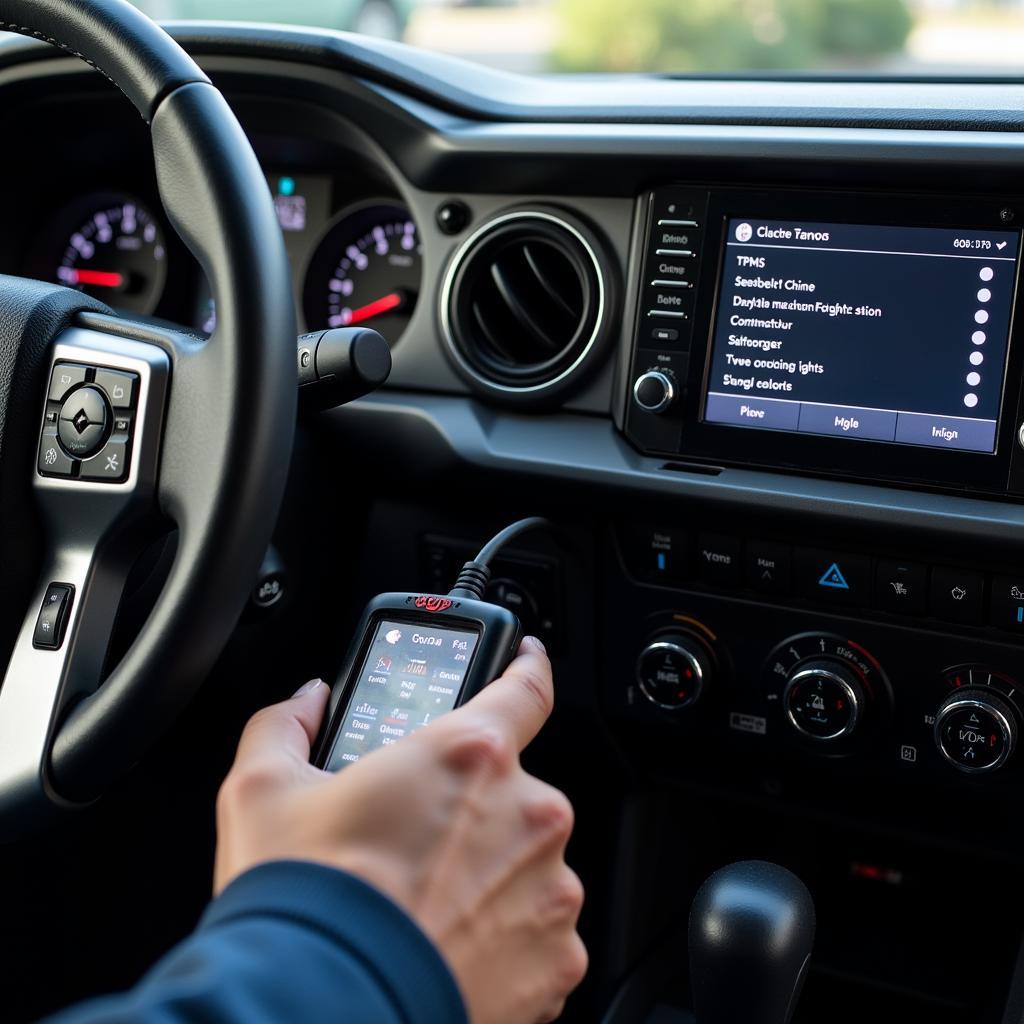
point(833, 577)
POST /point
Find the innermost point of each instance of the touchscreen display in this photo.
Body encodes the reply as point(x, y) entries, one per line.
point(849, 330)
point(412, 673)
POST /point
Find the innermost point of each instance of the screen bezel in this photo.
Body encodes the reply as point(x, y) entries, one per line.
point(353, 669)
point(841, 456)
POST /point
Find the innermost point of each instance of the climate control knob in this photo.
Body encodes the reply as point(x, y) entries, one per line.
point(823, 699)
point(975, 730)
point(673, 671)
point(654, 391)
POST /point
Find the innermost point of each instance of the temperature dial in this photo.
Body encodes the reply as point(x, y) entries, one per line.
point(975, 730)
point(673, 671)
point(826, 689)
point(823, 700)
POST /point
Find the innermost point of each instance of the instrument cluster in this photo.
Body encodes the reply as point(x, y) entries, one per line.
point(355, 259)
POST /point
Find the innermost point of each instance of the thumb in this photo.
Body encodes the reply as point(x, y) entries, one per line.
point(287, 729)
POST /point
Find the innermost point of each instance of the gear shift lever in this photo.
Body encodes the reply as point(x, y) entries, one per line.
point(751, 933)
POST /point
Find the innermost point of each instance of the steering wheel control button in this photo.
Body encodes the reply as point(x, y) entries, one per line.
point(119, 387)
point(672, 672)
point(975, 731)
point(53, 460)
point(82, 426)
point(957, 595)
point(901, 587)
point(65, 376)
point(111, 464)
point(53, 617)
point(823, 700)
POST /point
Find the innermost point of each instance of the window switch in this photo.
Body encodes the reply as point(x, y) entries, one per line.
point(53, 617)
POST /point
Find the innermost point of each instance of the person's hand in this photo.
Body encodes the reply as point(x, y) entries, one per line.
point(446, 822)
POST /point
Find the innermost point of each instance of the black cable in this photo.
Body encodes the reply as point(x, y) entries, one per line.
point(475, 575)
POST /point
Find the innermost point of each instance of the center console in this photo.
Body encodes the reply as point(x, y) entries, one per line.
point(857, 335)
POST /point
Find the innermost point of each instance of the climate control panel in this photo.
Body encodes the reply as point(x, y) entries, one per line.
point(729, 687)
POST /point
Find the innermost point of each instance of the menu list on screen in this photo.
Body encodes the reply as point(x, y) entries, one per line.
point(412, 674)
point(895, 334)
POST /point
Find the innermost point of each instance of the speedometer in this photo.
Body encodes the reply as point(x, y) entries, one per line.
point(366, 270)
point(114, 250)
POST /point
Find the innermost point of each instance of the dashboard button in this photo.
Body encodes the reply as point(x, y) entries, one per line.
point(901, 587)
point(833, 577)
point(957, 595)
point(656, 555)
point(65, 376)
point(718, 559)
point(769, 567)
point(119, 387)
point(1007, 603)
point(53, 460)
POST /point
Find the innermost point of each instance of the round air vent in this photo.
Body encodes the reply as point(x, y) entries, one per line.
point(524, 304)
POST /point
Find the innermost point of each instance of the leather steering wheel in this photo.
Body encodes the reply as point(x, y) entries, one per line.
point(195, 433)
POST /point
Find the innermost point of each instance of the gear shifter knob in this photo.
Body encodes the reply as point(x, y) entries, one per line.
point(751, 933)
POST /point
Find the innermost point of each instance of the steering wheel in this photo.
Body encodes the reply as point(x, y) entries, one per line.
point(110, 428)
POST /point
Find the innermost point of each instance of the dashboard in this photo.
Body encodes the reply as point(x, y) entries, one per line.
point(756, 348)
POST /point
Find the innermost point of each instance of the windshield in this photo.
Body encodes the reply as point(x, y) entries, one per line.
point(877, 37)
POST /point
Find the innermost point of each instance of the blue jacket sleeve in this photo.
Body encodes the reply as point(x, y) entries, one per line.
point(292, 943)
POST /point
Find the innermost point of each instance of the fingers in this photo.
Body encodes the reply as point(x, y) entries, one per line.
point(521, 700)
point(288, 728)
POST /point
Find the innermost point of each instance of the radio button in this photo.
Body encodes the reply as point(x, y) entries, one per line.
point(679, 254)
point(835, 577)
point(654, 391)
point(664, 223)
point(901, 587)
point(658, 283)
point(957, 595)
point(665, 334)
point(668, 314)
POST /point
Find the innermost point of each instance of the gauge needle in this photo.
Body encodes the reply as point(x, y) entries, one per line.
point(382, 305)
point(96, 278)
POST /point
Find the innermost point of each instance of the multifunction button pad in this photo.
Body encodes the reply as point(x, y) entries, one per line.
point(89, 423)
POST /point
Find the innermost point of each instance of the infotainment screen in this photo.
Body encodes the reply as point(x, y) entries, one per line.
point(892, 334)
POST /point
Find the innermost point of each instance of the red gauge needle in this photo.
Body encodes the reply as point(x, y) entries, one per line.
point(96, 278)
point(382, 305)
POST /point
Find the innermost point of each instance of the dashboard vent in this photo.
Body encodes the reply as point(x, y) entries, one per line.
point(523, 304)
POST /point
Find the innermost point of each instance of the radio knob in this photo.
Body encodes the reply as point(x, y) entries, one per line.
point(673, 670)
point(654, 391)
point(975, 731)
point(823, 700)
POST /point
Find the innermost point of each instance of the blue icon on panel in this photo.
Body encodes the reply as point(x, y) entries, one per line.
point(1020, 614)
point(661, 561)
point(833, 577)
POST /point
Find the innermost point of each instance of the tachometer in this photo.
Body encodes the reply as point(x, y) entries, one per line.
point(366, 270)
point(116, 253)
